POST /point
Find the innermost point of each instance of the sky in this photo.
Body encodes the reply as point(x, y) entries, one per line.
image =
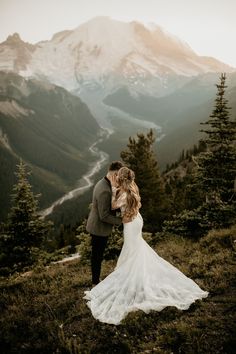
point(208, 26)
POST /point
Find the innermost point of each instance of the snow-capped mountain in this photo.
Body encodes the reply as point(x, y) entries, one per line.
point(107, 54)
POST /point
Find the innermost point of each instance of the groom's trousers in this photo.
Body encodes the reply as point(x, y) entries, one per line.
point(98, 247)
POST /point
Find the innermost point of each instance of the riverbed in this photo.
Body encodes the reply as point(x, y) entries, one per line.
point(86, 181)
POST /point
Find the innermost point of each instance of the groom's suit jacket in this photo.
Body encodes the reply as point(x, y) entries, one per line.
point(102, 217)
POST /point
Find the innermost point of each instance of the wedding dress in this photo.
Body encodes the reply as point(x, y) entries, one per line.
point(142, 280)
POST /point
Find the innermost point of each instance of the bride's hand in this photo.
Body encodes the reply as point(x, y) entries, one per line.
point(114, 181)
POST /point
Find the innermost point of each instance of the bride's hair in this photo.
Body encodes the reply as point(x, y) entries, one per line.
point(125, 180)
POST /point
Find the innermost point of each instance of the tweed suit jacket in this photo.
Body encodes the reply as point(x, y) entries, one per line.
point(101, 217)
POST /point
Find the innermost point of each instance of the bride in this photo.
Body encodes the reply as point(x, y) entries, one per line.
point(142, 280)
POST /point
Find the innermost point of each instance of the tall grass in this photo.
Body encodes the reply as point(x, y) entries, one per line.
point(44, 311)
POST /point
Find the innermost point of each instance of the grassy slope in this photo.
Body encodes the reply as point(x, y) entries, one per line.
point(45, 312)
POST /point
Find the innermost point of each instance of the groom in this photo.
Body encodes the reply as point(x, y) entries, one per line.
point(101, 218)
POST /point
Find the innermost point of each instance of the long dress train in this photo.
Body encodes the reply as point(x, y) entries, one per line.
point(142, 280)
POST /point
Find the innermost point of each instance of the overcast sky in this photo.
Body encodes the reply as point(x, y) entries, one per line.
point(208, 26)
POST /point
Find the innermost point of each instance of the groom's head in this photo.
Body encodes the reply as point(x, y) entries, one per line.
point(114, 168)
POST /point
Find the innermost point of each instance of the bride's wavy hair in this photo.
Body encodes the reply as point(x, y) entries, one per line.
point(126, 181)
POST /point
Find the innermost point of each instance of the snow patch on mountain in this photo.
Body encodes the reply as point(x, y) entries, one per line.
point(106, 54)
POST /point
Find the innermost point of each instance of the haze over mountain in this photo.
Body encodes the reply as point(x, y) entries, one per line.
point(179, 113)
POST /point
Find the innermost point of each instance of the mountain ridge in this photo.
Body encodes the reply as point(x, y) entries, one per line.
point(103, 53)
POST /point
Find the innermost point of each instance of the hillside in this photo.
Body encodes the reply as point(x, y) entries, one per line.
point(179, 114)
point(43, 311)
point(50, 129)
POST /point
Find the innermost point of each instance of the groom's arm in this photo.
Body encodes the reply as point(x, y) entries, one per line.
point(104, 209)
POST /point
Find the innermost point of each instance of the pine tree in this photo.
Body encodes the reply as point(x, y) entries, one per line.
point(140, 157)
point(216, 167)
point(24, 228)
point(214, 175)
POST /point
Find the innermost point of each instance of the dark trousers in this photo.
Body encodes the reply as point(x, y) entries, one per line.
point(98, 247)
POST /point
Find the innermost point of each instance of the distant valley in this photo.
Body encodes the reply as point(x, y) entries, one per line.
point(50, 129)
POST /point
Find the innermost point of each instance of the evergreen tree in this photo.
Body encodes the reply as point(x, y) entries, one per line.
point(214, 175)
point(140, 157)
point(216, 166)
point(24, 228)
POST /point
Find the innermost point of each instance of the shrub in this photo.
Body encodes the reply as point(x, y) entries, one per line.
point(113, 248)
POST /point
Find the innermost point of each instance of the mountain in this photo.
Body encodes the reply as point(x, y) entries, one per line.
point(102, 56)
point(116, 63)
point(15, 54)
point(179, 113)
point(50, 129)
point(164, 110)
point(106, 54)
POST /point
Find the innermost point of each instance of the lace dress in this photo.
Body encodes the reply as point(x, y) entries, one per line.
point(141, 280)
